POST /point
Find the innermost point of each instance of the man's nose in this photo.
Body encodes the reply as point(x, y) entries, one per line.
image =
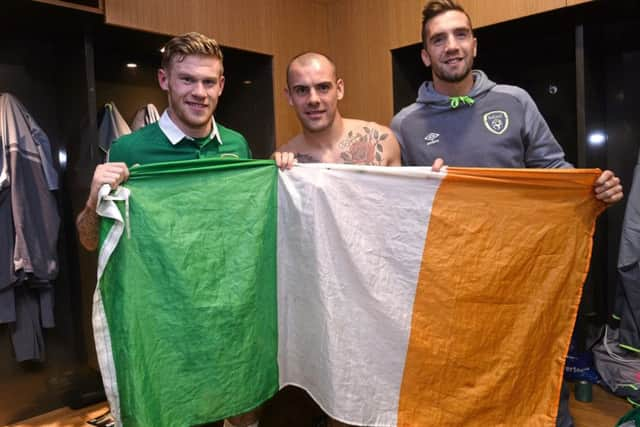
point(452, 43)
point(313, 96)
point(199, 90)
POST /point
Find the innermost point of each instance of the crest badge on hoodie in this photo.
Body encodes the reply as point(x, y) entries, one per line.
point(496, 121)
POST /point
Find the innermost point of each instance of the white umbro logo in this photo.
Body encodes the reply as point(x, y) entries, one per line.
point(432, 138)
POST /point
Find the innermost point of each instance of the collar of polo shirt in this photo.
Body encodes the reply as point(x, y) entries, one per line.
point(175, 135)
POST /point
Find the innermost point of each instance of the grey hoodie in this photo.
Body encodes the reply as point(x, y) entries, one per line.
point(503, 128)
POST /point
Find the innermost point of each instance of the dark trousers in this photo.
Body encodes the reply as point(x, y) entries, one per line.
point(564, 417)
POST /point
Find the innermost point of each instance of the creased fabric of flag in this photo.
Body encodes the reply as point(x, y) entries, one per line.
point(412, 298)
point(185, 315)
point(404, 297)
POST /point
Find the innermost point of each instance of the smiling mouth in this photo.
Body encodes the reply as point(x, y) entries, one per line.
point(453, 61)
point(314, 113)
point(197, 105)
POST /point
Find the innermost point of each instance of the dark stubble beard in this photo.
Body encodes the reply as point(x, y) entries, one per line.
point(453, 78)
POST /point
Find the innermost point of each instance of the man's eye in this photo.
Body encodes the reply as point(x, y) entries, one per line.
point(301, 90)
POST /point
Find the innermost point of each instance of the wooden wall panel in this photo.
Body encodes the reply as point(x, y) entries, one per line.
point(406, 15)
point(359, 39)
point(298, 26)
point(238, 23)
point(96, 7)
point(405, 18)
point(485, 13)
point(281, 28)
point(575, 2)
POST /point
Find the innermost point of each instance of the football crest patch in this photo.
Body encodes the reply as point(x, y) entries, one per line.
point(496, 121)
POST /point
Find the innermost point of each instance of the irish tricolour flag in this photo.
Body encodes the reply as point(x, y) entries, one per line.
point(394, 296)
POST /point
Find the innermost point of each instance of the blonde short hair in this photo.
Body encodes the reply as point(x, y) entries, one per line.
point(190, 44)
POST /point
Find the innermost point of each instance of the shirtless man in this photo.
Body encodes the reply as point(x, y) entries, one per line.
point(313, 90)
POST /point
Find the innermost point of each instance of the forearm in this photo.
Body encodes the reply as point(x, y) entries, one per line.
point(88, 222)
point(88, 225)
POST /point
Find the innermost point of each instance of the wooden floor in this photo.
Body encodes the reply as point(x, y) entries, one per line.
point(604, 411)
point(65, 417)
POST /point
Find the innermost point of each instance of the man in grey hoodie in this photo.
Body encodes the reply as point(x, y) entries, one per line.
point(464, 119)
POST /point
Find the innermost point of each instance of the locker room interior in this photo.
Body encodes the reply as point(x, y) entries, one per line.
point(64, 62)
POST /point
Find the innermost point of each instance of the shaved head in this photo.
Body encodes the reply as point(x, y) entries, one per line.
point(308, 58)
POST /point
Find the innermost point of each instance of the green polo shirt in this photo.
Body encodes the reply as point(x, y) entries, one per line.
point(151, 145)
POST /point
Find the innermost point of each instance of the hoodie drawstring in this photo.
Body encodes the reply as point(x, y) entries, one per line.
point(456, 101)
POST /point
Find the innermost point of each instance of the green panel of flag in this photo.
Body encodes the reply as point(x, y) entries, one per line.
point(189, 293)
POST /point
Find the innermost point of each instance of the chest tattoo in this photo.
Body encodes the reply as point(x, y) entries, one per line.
point(363, 147)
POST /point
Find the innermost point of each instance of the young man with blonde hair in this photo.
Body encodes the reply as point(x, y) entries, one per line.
point(191, 73)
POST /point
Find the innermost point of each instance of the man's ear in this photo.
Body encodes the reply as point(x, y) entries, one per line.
point(163, 79)
point(426, 60)
point(221, 84)
point(475, 46)
point(288, 95)
point(340, 88)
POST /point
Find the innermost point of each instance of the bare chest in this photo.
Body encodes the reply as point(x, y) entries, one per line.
point(360, 146)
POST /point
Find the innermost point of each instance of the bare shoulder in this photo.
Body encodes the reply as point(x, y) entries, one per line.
point(391, 148)
point(297, 145)
point(386, 135)
point(352, 124)
point(291, 145)
point(377, 130)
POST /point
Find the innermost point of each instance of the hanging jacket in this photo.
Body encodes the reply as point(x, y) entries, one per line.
point(145, 116)
point(112, 126)
point(29, 176)
point(627, 302)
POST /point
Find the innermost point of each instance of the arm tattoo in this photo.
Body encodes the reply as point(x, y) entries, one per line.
point(88, 224)
point(306, 158)
point(363, 147)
